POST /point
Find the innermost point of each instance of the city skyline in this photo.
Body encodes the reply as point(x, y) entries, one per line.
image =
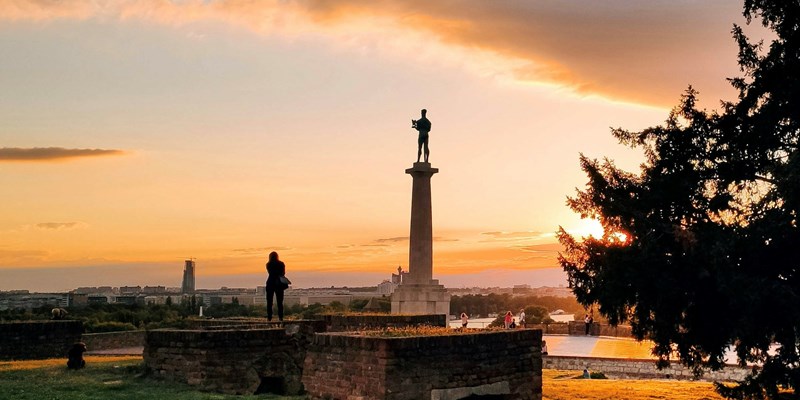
point(139, 133)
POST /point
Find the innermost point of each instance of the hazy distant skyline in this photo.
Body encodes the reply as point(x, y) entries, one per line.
point(137, 133)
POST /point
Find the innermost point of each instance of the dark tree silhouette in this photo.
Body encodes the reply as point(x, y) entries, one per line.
point(701, 247)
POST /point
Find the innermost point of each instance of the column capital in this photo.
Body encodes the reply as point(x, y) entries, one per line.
point(422, 168)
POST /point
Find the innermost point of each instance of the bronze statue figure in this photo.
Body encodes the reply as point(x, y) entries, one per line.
point(423, 126)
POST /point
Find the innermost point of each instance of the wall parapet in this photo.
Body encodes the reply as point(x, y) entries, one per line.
point(346, 323)
point(578, 328)
point(506, 364)
point(622, 368)
point(31, 340)
point(113, 340)
point(232, 359)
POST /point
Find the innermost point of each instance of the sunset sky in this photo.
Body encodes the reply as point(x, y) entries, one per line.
point(135, 134)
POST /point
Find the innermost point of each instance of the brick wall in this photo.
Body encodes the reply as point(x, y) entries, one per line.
point(245, 356)
point(578, 328)
point(639, 369)
point(30, 340)
point(502, 363)
point(113, 340)
point(557, 328)
point(235, 361)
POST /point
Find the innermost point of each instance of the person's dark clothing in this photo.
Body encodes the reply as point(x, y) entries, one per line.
point(275, 269)
point(75, 356)
point(278, 294)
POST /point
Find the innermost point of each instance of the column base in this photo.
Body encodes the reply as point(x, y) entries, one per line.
point(421, 299)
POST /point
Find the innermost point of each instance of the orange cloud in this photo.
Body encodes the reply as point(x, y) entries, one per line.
point(9, 257)
point(630, 51)
point(38, 154)
point(636, 52)
point(497, 235)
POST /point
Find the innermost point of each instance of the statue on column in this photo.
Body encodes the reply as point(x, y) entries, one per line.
point(423, 126)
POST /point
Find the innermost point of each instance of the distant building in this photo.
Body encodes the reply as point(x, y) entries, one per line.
point(96, 289)
point(154, 290)
point(78, 299)
point(97, 299)
point(188, 278)
point(33, 300)
point(149, 300)
point(521, 289)
point(129, 290)
point(129, 299)
point(386, 287)
point(559, 291)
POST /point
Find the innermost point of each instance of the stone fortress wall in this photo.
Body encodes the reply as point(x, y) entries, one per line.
point(502, 363)
point(296, 357)
point(113, 340)
point(232, 360)
point(30, 340)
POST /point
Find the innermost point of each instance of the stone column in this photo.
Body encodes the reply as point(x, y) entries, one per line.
point(419, 293)
point(420, 248)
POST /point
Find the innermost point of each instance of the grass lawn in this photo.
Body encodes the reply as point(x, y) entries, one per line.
point(119, 378)
point(561, 385)
point(103, 378)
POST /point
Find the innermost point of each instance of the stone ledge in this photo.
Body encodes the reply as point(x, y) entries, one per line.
point(640, 369)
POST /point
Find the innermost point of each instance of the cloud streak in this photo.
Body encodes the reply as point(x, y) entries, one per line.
point(259, 250)
point(60, 225)
point(44, 154)
point(643, 52)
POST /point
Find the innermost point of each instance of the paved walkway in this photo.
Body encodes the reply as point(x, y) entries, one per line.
point(594, 346)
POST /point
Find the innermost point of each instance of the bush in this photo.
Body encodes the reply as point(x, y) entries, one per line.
point(536, 314)
point(110, 326)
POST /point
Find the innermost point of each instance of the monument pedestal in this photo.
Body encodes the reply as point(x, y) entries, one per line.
point(421, 299)
point(419, 293)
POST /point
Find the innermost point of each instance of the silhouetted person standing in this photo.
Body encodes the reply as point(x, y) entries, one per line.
point(423, 126)
point(275, 270)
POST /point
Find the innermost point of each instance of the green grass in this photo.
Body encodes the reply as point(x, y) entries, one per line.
point(120, 378)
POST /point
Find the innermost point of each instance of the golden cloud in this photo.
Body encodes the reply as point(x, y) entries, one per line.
point(38, 154)
point(643, 52)
point(515, 235)
point(392, 239)
point(60, 225)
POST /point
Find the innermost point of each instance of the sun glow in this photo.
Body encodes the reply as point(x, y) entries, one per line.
point(588, 228)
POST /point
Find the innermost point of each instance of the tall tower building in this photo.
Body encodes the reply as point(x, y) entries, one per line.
point(188, 277)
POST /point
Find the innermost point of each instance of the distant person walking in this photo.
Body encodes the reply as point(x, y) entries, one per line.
point(588, 319)
point(275, 270)
point(507, 320)
point(522, 318)
point(464, 320)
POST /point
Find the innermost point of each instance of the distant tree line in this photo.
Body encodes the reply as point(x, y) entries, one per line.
point(122, 317)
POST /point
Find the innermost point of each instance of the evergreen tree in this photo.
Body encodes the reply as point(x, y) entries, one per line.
point(701, 247)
